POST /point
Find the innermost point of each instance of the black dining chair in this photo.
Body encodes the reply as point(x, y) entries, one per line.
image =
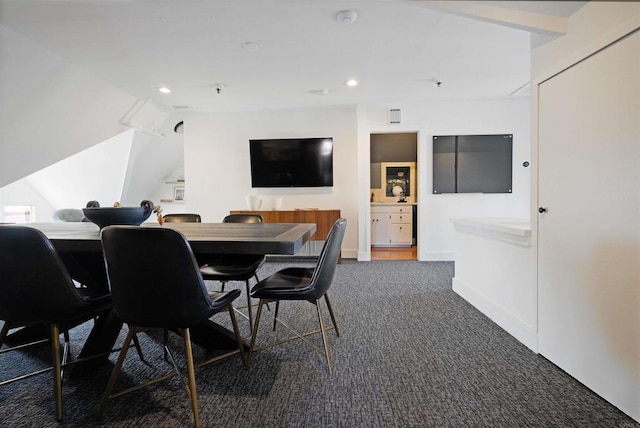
point(299, 283)
point(156, 283)
point(36, 289)
point(236, 267)
point(182, 218)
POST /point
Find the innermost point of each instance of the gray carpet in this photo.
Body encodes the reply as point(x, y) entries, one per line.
point(411, 354)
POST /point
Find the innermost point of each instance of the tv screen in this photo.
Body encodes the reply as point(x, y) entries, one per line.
point(292, 162)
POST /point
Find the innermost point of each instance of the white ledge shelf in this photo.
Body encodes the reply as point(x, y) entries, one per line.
point(514, 230)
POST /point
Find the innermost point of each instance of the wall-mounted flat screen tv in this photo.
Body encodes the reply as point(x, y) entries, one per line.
point(292, 162)
point(472, 163)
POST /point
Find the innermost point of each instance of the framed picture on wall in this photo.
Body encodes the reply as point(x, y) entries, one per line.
point(398, 182)
point(178, 193)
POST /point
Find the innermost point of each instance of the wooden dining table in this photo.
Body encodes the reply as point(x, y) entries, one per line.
point(80, 248)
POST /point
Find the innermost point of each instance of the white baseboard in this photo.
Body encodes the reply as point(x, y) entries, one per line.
point(350, 254)
point(524, 333)
point(437, 256)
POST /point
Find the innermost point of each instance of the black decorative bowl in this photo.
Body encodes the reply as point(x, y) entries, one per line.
point(107, 216)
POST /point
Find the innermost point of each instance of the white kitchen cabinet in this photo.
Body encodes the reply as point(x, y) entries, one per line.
point(380, 220)
point(391, 225)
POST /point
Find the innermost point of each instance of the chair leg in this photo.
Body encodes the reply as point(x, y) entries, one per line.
point(116, 369)
point(249, 307)
point(165, 341)
point(255, 329)
point(223, 283)
point(193, 394)
point(5, 330)
point(57, 376)
point(234, 322)
point(257, 281)
point(333, 318)
point(324, 336)
point(136, 343)
point(275, 316)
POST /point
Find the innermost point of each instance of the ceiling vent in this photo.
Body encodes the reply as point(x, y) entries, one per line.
point(394, 116)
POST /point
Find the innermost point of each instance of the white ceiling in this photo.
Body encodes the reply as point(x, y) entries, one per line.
point(396, 49)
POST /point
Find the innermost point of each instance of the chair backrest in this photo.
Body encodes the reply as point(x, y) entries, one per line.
point(69, 215)
point(243, 218)
point(328, 260)
point(35, 286)
point(182, 218)
point(154, 278)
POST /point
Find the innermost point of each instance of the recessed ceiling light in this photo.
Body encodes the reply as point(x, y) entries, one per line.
point(351, 82)
point(320, 92)
point(250, 46)
point(164, 90)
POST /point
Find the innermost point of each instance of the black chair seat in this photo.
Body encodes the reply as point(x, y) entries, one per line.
point(286, 284)
point(232, 268)
point(91, 298)
point(220, 299)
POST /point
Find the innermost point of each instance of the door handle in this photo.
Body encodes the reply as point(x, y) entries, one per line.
point(542, 210)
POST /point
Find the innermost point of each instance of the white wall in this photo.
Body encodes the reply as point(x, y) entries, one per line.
point(49, 108)
point(435, 231)
point(22, 193)
point(217, 162)
point(151, 162)
point(96, 173)
point(127, 168)
point(218, 175)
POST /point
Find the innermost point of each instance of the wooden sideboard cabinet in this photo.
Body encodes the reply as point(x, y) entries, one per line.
point(323, 219)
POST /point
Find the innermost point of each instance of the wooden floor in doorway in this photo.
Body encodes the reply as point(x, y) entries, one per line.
point(396, 253)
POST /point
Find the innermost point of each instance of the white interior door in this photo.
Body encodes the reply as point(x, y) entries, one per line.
point(589, 236)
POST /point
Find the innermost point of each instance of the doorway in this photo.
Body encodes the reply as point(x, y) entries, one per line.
point(393, 195)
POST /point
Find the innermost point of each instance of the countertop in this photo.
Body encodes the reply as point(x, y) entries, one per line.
point(393, 203)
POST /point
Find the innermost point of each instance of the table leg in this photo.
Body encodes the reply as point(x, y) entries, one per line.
point(101, 340)
point(210, 335)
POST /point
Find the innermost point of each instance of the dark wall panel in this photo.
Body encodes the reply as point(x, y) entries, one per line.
point(472, 163)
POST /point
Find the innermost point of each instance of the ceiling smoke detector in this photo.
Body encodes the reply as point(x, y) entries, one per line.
point(346, 16)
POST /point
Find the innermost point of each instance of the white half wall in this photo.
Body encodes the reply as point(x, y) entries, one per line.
point(217, 170)
point(435, 231)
